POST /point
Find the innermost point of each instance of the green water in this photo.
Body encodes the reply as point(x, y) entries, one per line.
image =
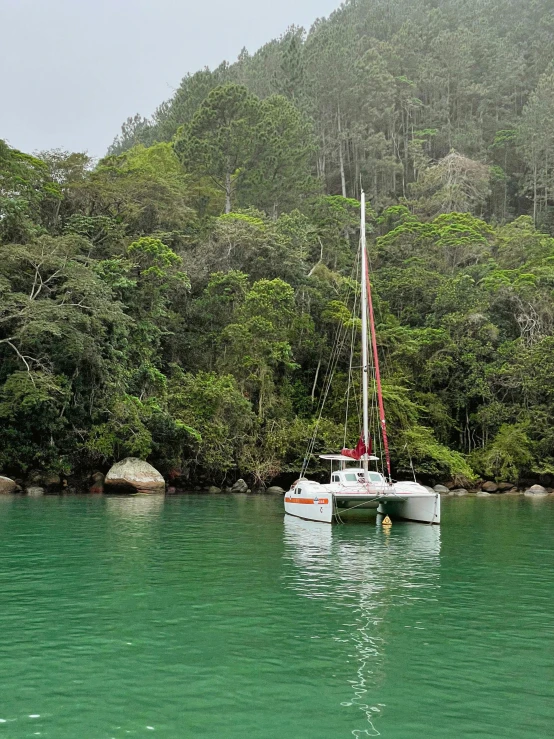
point(215, 617)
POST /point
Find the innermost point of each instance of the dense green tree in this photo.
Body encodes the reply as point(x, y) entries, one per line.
point(144, 188)
point(279, 177)
point(220, 420)
point(24, 185)
point(256, 345)
point(58, 357)
point(256, 152)
point(221, 140)
point(135, 130)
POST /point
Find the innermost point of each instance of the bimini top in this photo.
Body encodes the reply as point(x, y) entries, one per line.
point(343, 458)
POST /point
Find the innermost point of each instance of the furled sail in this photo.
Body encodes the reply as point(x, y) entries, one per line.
point(359, 451)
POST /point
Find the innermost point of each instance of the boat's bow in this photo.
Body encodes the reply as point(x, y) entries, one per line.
point(310, 500)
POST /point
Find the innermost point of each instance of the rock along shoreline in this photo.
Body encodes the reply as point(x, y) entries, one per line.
point(136, 476)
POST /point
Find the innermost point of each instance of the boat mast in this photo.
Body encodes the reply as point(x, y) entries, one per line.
point(367, 290)
point(365, 364)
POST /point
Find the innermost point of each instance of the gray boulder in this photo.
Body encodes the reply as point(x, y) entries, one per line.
point(240, 487)
point(459, 491)
point(276, 490)
point(136, 475)
point(489, 487)
point(214, 489)
point(7, 486)
point(35, 491)
point(442, 489)
point(503, 487)
point(483, 494)
point(537, 490)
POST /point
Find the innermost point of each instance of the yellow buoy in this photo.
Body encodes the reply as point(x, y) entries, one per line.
point(386, 522)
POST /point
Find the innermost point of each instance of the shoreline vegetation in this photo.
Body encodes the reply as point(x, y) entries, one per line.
point(179, 301)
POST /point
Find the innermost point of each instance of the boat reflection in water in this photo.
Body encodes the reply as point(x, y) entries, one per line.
point(363, 575)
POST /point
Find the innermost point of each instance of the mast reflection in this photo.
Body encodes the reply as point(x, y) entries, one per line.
point(365, 573)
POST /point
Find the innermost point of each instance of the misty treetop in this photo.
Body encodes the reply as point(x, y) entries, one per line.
point(390, 90)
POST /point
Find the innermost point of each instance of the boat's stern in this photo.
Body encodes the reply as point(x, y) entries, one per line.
point(412, 502)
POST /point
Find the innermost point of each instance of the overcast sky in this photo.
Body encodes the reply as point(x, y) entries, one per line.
point(73, 70)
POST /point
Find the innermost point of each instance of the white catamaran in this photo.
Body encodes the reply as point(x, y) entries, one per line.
point(358, 487)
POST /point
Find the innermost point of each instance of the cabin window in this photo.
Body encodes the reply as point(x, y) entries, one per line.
point(371, 476)
point(351, 477)
point(335, 478)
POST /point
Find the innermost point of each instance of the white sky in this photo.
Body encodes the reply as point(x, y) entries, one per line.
point(73, 70)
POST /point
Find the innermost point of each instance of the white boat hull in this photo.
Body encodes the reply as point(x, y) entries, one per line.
point(326, 503)
point(422, 508)
point(310, 507)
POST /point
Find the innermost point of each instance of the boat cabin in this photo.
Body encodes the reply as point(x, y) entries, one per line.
point(354, 476)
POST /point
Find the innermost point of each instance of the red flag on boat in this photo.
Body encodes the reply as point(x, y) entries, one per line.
point(359, 451)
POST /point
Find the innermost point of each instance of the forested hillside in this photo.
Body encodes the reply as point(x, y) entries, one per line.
point(391, 87)
point(180, 300)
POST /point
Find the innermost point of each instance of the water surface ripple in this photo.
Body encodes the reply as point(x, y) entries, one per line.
point(218, 617)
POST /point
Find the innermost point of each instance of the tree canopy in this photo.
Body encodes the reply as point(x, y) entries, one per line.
point(181, 299)
point(390, 91)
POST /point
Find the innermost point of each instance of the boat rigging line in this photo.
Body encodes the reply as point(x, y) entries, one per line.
point(367, 283)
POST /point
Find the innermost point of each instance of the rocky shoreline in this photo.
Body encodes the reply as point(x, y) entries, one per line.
point(128, 476)
point(132, 476)
point(490, 488)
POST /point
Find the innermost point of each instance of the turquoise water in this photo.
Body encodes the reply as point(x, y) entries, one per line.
point(212, 616)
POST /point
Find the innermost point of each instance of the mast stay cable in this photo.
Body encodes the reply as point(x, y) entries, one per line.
point(367, 285)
